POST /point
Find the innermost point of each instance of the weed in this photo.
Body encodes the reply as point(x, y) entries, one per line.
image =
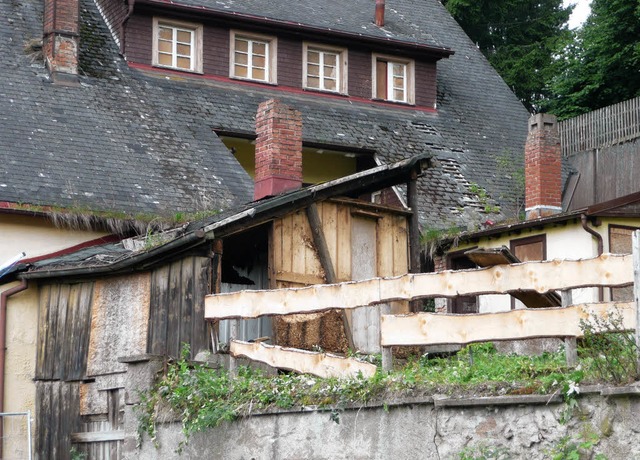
point(571, 449)
point(607, 349)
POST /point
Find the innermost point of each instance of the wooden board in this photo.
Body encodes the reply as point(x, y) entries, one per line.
point(606, 270)
point(438, 329)
point(320, 364)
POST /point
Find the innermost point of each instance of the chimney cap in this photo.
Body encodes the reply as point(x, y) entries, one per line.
point(540, 120)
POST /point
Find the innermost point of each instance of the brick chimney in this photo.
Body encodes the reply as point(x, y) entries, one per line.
point(61, 37)
point(543, 173)
point(379, 19)
point(278, 149)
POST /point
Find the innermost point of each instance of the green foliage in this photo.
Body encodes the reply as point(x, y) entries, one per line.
point(600, 67)
point(608, 351)
point(519, 38)
point(486, 453)
point(571, 449)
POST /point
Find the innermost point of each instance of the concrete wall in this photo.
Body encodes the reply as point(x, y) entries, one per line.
point(37, 236)
point(428, 430)
point(20, 390)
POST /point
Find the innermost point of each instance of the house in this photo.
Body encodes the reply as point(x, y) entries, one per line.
point(103, 306)
point(582, 200)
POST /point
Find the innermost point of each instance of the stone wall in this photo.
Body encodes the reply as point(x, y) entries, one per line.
point(526, 426)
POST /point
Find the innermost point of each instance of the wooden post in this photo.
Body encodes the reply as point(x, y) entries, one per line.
point(636, 290)
point(216, 280)
point(233, 334)
point(571, 351)
point(325, 260)
point(414, 232)
point(387, 355)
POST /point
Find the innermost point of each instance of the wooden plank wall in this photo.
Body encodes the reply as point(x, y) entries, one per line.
point(64, 321)
point(295, 263)
point(57, 409)
point(176, 313)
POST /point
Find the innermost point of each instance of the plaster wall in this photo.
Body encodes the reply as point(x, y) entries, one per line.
point(20, 390)
point(37, 236)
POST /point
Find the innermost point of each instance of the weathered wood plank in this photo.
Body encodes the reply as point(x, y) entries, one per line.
point(98, 436)
point(385, 254)
point(60, 335)
point(400, 246)
point(199, 339)
point(186, 310)
point(71, 333)
point(43, 331)
point(83, 325)
point(174, 307)
point(635, 247)
point(437, 329)
point(158, 311)
point(343, 258)
point(606, 270)
point(299, 278)
point(321, 364)
point(328, 212)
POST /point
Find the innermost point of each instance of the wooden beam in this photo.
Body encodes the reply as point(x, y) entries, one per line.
point(438, 329)
point(98, 436)
point(325, 260)
point(321, 364)
point(635, 243)
point(299, 278)
point(414, 230)
point(606, 270)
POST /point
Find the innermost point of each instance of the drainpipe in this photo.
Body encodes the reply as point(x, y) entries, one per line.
point(3, 339)
point(598, 237)
point(122, 29)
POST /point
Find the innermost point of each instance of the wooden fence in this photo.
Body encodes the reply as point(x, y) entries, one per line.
point(430, 328)
point(604, 127)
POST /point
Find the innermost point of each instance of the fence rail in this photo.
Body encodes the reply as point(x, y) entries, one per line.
point(433, 329)
point(604, 127)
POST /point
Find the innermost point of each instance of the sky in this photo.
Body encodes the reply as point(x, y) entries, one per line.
point(580, 12)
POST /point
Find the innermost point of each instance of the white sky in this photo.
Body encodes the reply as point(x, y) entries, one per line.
point(580, 12)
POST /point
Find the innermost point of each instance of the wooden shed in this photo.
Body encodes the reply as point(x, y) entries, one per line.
point(101, 306)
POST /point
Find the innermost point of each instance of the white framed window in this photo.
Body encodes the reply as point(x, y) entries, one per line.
point(393, 79)
point(253, 57)
point(324, 68)
point(177, 45)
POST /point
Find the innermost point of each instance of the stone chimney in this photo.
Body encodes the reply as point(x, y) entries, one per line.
point(379, 19)
point(543, 170)
point(61, 37)
point(278, 149)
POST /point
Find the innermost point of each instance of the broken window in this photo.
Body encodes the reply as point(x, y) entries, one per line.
point(393, 79)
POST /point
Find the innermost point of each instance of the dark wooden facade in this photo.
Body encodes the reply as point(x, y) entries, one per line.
point(216, 45)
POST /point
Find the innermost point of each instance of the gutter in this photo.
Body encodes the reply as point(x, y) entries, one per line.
point(436, 51)
point(3, 345)
point(598, 237)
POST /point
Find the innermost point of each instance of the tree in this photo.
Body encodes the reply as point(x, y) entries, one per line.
point(602, 66)
point(520, 38)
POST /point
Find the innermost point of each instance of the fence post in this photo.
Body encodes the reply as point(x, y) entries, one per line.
point(636, 291)
point(233, 334)
point(387, 355)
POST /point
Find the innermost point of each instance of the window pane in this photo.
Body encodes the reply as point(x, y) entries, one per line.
point(398, 82)
point(313, 70)
point(164, 59)
point(398, 95)
point(313, 82)
point(259, 74)
point(329, 71)
point(259, 48)
point(313, 57)
point(184, 63)
point(240, 71)
point(242, 45)
point(184, 50)
point(330, 85)
point(259, 61)
point(164, 46)
point(242, 59)
point(184, 36)
point(398, 70)
point(165, 33)
point(330, 59)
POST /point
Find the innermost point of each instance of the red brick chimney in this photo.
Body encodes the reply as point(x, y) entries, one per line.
point(278, 149)
point(543, 172)
point(60, 39)
point(379, 20)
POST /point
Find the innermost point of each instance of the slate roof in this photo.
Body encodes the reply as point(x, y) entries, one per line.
point(131, 141)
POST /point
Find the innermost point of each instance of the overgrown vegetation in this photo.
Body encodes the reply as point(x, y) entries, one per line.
point(203, 397)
